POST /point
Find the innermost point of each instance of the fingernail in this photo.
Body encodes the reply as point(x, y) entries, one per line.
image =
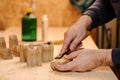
point(65, 56)
point(58, 56)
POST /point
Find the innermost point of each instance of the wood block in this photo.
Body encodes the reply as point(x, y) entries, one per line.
point(2, 42)
point(23, 50)
point(34, 56)
point(16, 50)
point(39, 55)
point(47, 54)
point(51, 52)
point(13, 45)
point(58, 61)
point(31, 57)
point(13, 41)
point(5, 53)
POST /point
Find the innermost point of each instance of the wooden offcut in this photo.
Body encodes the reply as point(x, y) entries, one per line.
point(39, 55)
point(30, 60)
point(16, 50)
point(34, 56)
point(2, 42)
point(5, 53)
point(23, 50)
point(47, 54)
point(13, 45)
point(30, 53)
point(13, 41)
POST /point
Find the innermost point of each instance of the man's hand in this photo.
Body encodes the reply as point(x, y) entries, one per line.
point(73, 37)
point(86, 59)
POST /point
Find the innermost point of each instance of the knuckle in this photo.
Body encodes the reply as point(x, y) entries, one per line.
point(66, 33)
point(73, 45)
point(65, 44)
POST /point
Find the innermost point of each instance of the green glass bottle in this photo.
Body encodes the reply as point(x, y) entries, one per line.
point(29, 26)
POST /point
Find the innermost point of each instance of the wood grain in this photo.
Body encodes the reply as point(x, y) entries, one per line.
point(14, 70)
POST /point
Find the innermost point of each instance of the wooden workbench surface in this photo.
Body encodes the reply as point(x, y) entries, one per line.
point(15, 70)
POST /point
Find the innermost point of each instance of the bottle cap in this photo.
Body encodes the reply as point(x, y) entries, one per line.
point(29, 10)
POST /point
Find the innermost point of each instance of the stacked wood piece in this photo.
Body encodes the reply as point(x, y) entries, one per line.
point(23, 51)
point(34, 56)
point(2, 42)
point(5, 53)
point(47, 52)
point(39, 55)
point(13, 45)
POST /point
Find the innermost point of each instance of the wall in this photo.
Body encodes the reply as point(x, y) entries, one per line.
point(111, 25)
point(60, 12)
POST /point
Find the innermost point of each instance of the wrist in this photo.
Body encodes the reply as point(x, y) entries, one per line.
point(84, 21)
point(106, 58)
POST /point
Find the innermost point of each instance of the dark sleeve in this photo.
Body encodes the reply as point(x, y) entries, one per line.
point(116, 57)
point(101, 11)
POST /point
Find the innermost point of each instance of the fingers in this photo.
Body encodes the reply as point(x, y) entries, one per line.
point(71, 55)
point(74, 54)
point(72, 39)
point(79, 45)
point(64, 47)
point(70, 66)
point(75, 43)
point(77, 64)
point(66, 67)
point(67, 40)
point(79, 69)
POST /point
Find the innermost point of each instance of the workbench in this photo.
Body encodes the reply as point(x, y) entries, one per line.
point(15, 70)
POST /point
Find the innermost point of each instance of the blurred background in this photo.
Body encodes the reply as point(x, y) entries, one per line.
point(61, 13)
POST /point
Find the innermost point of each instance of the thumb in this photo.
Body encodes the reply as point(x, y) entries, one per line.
point(71, 55)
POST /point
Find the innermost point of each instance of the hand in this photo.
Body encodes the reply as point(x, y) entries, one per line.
point(86, 59)
point(73, 37)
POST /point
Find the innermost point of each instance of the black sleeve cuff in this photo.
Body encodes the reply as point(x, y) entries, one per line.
point(116, 57)
point(101, 12)
point(94, 18)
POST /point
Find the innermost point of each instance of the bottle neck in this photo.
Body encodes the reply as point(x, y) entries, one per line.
point(28, 14)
